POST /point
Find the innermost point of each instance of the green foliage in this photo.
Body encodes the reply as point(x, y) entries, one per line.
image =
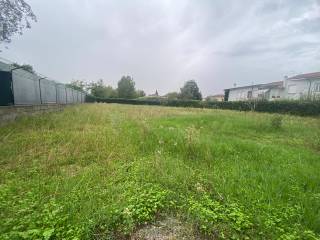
point(26, 67)
point(307, 108)
point(99, 90)
point(15, 16)
point(190, 91)
point(276, 219)
point(77, 85)
point(192, 142)
point(172, 95)
point(140, 93)
point(220, 220)
point(102, 171)
point(142, 206)
point(126, 88)
point(31, 218)
point(276, 122)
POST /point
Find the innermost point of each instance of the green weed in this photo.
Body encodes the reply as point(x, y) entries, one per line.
point(101, 171)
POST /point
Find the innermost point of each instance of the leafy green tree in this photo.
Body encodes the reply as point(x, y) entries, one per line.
point(140, 93)
point(190, 91)
point(98, 89)
point(15, 15)
point(110, 92)
point(172, 95)
point(126, 87)
point(26, 67)
point(78, 85)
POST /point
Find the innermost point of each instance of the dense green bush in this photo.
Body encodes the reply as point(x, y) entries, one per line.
point(302, 108)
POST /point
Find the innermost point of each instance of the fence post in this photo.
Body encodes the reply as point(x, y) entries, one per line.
point(40, 88)
point(56, 85)
point(12, 90)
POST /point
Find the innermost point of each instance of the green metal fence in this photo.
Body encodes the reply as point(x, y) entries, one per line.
point(6, 95)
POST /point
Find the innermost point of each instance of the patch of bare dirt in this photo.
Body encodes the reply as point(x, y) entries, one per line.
point(166, 229)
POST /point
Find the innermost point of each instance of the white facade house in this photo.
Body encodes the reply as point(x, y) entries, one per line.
point(303, 86)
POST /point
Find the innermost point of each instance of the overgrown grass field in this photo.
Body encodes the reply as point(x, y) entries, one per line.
point(102, 171)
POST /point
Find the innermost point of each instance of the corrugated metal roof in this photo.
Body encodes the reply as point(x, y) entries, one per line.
point(5, 67)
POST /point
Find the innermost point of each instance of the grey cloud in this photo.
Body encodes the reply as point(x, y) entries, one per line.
point(164, 43)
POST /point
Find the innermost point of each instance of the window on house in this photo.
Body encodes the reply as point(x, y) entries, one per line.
point(249, 95)
point(317, 87)
point(292, 88)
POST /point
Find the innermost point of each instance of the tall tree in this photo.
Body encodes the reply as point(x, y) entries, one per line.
point(110, 92)
point(78, 85)
point(126, 87)
point(190, 91)
point(15, 15)
point(172, 95)
point(98, 89)
point(140, 93)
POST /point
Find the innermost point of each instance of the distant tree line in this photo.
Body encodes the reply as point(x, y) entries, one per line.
point(126, 90)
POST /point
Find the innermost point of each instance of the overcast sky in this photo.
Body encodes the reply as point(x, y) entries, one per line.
point(163, 43)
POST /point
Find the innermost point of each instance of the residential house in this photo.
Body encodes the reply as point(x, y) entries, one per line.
point(303, 86)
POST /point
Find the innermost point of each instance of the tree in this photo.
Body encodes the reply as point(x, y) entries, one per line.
point(110, 92)
point(15, 15)
point(172, 95)
point(26, 67)
point(190, 91)
point(126, 87)
point(78, 85)
point(98, 89)
point(140, 93)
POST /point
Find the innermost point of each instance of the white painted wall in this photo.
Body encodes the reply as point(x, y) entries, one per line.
point(297, 89)
point(241, 94)
point(276, 94)
point(293, 90)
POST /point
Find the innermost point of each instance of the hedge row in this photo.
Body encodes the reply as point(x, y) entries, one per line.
point(302, 108)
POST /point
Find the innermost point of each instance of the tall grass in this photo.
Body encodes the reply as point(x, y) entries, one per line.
point(99, 171)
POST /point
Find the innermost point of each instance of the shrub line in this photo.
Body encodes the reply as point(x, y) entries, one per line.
point(300, 108)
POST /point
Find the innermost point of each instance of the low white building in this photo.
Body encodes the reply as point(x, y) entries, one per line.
point(303, 86)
